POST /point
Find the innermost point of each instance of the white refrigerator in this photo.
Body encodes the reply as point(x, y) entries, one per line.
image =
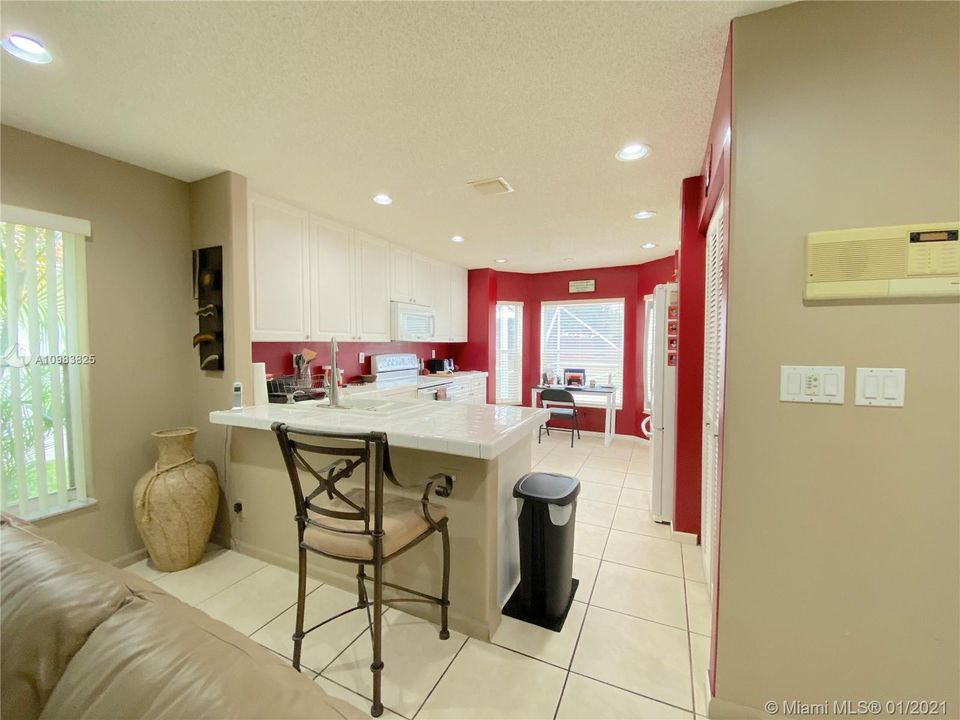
point(660, 328)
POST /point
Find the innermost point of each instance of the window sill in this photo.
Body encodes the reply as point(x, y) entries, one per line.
point(40, 515)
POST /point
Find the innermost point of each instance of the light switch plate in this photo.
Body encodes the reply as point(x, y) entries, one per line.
point(881, 387)
point(812, 384)
point(361, 357)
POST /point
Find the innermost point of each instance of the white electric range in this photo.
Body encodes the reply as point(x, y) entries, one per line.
point(397, 369)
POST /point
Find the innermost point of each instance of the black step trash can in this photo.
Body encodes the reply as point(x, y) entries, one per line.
point(547, 521)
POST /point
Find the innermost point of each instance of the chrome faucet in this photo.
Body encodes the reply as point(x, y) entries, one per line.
point(334, 375)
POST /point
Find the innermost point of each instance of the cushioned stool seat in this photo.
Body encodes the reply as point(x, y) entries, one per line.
point(403, 522)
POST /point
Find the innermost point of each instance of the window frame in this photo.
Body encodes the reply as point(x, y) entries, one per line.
point(77, 422)
point(589, 400)
point(496, 391)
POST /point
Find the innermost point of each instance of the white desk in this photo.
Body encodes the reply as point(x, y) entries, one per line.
point(610, 420)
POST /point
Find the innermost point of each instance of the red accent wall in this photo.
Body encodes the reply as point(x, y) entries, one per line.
point(690, 268)
point(479, 352)
point(631, 282)
point(278, 356)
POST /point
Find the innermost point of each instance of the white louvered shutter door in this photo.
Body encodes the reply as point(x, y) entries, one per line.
point(712, 367)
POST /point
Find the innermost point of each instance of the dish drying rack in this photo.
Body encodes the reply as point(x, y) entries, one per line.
point(296, 388)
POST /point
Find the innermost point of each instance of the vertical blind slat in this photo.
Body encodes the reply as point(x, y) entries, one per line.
point(56, 390)
point(32, 258)
point(73, 258)
point(12, 272)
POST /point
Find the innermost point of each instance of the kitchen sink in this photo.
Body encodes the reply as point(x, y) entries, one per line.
point(358, 406)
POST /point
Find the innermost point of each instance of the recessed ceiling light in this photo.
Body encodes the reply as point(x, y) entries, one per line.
point(633, 151)
point(644, 214)
point(27, 48)
point(457, 239)
point(382, 199)
point(568, 259)
point(500, 260)
point(648, 246)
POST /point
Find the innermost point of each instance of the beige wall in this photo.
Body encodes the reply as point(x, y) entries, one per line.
point(218, 216)
point(139, 302)
point(839, 551)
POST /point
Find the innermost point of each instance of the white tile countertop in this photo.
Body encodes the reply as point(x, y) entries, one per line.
point(478, 431)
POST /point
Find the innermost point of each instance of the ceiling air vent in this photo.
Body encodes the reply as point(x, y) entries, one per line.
point(491, 186)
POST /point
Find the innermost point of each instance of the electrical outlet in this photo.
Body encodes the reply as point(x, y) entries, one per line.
point(433, 354)
point(361, 357)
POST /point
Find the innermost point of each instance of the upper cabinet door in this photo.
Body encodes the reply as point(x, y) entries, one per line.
point(373, 288)
point(421, 285)
point(401, 275)
point(458, 304)
point(279, 271)
point(440, 300)
point(332, 276)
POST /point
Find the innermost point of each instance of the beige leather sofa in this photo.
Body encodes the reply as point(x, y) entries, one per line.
point(82, 639)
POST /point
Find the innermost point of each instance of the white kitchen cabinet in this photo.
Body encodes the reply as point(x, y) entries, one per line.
point(401, 274)
point(279, 271)
point(333, 281)
point(411, 277)
point(458, 304)
point(449, 301)
point(313, 279)
point(372, 288)
point(440, 301)
point(471, 388)
point(421, 280)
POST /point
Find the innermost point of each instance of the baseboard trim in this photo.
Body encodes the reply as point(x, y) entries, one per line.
point(617, 436)
point(718, 709)
point(130, 558)
point(684, 538)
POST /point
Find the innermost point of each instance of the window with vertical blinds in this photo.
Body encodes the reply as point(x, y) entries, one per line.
point(509, 353)
point(586, 335)
point(42, 366)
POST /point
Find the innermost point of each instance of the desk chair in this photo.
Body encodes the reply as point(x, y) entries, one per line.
point(561, 404)
point(362, 525)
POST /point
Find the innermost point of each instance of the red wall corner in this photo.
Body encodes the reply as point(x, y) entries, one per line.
point(480, 351)
point(630, 282)
point(690, 261)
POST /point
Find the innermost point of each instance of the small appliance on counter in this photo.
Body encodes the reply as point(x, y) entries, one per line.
point(440, 365)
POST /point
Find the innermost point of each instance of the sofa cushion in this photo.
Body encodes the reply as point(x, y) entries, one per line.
point(51, 600)
point(83, 639)
point(159, 658)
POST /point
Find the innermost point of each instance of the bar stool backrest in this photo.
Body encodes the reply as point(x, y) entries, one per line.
point(352, 450)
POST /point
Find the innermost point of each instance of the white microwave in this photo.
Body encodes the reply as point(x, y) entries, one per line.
point(412, 322)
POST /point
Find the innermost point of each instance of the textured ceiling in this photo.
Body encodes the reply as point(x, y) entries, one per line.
point(325, 104)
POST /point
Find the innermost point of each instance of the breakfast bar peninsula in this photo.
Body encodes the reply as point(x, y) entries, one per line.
point(484, 448)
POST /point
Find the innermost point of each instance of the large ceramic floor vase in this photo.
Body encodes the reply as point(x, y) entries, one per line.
point(175, 503)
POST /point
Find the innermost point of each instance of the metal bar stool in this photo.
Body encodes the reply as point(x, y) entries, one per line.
point(561, 404)
point(362, 525)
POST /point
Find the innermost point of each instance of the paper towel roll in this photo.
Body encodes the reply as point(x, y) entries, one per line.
point(260, 384)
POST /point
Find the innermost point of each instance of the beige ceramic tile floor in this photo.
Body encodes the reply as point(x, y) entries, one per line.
point(634, 645)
